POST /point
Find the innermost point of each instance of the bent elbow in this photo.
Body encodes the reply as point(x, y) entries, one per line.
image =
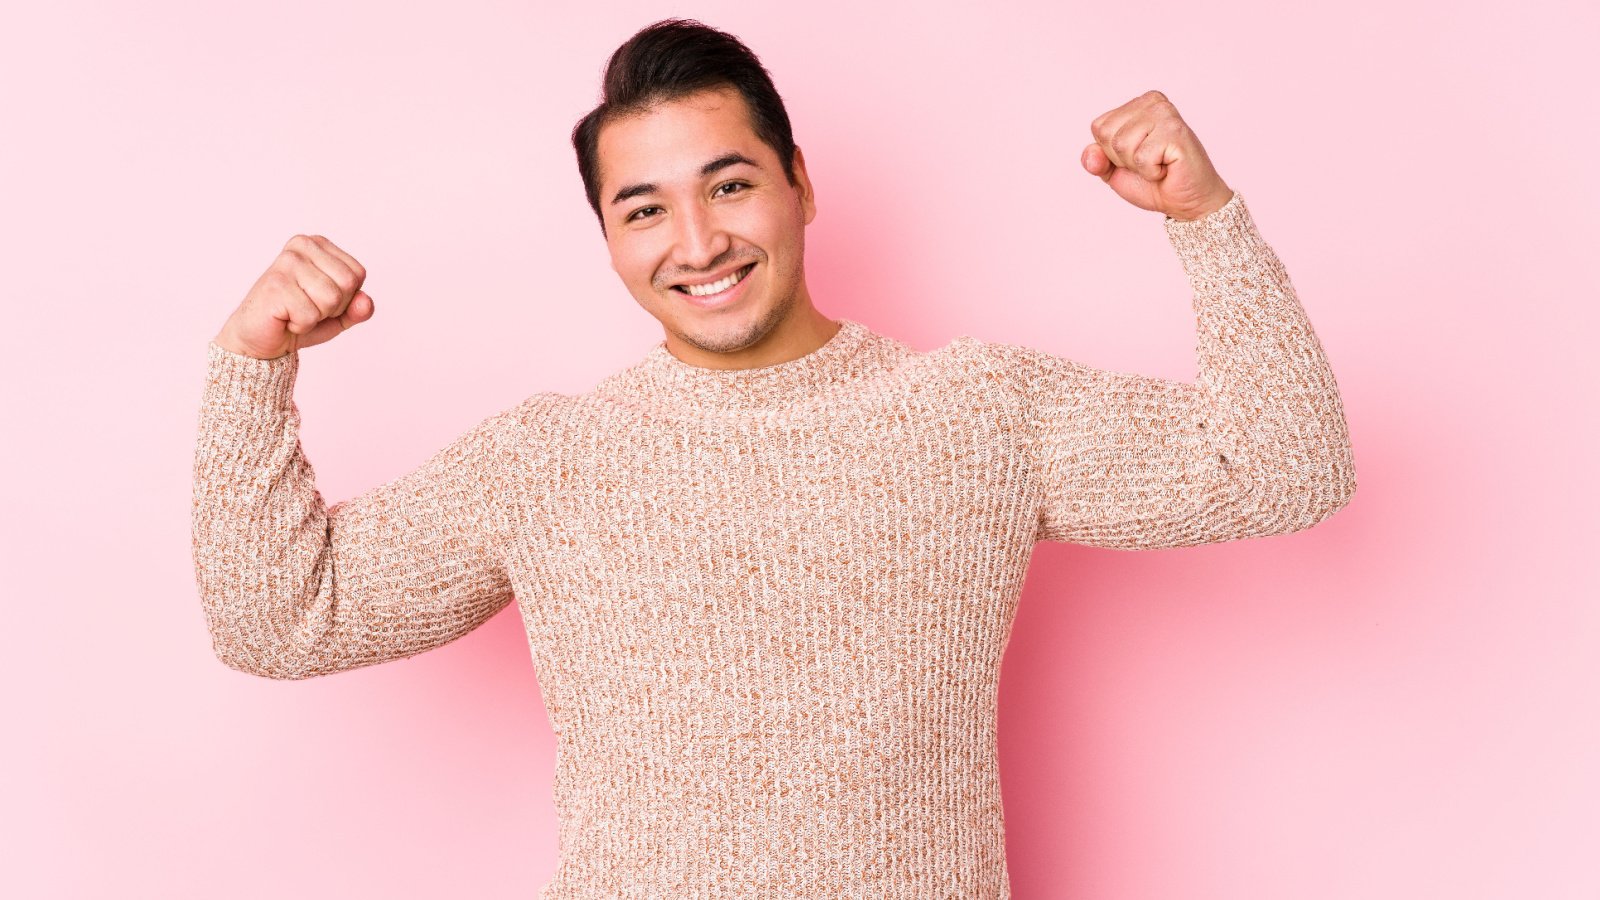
point(1309, 503)
point(1337, 491)
point(1337, 484)
point(1295, 488)
point(259, 668)
point(251, 667)
point(261, 662)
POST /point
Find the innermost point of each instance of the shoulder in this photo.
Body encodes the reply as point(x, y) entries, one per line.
point(1026, 372)
point(543, 413)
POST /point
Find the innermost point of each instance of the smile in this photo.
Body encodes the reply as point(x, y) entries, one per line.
point(715, 287)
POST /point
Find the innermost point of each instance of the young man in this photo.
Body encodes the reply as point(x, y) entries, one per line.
point(767, 573)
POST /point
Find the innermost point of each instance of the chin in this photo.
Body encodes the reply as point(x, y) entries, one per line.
point(727, 335)
point(728, 332)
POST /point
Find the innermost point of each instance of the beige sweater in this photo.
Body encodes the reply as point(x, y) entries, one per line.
point(767, 607)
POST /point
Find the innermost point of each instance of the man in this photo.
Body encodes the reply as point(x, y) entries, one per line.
point(768, 573)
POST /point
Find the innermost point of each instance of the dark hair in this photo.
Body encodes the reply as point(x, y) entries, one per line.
point(669, 60)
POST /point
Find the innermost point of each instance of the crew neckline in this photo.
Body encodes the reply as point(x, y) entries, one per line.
point(844, 341)
point(668, 385)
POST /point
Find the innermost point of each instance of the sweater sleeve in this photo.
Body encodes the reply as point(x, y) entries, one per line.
point(1258, 446)
point(292, 588)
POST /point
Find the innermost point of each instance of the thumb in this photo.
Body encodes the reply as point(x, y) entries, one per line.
point(1096, 162)
point(359, 310)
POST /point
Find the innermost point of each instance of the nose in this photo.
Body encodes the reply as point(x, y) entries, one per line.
point(700, 238)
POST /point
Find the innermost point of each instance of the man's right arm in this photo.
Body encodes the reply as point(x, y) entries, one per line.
point(292, 588)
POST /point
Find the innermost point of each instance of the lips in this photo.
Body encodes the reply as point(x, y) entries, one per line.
point(731, 289)
point(716, 285)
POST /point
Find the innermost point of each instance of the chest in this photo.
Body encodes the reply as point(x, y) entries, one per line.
point(897, 534)
point(892, 480)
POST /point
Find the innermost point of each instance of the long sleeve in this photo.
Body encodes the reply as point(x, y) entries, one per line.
point(1258, 446)
point(292, 588)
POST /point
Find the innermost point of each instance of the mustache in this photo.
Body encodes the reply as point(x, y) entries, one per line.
point(736, 258)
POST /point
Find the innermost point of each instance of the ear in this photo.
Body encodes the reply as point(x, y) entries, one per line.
point(808, 199)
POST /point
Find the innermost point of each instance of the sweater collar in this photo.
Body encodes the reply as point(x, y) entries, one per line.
point(663, 383)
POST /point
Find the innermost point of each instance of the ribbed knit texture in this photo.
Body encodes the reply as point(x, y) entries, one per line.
point(767, 607)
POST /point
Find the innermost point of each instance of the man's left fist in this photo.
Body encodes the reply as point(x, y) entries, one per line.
point(1148, 155)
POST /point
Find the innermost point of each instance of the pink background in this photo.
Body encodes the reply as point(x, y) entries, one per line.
point(1399, 703)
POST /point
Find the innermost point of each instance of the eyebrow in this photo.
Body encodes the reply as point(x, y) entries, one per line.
point(710, 168)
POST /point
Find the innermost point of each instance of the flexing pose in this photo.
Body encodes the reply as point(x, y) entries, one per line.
point(768, 572)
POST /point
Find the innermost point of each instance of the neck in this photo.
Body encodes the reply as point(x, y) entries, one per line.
point(797, 335)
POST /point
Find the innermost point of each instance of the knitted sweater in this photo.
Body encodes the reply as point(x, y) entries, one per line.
point(767, 607)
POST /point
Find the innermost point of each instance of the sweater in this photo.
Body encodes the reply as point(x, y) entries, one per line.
point(767, 607)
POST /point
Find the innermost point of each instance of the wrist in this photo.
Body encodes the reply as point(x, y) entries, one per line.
point(225, 340)
point(1221, 199)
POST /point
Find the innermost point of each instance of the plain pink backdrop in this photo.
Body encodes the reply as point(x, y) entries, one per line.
point(1403, 702)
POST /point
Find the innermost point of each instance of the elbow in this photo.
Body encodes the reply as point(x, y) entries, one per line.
point(1336, 490)
point(1298, 486)
point(262, 668)
point(242, 656)
point(273, 670)
point(1322, 508)
point(1272, 501)
point(253, 634)
point(1304, 503)
point(1336, 486)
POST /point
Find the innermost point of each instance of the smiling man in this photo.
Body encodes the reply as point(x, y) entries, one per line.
point(767, 573)
point(704, 198)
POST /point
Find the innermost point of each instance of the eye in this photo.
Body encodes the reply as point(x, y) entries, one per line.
point(635, 214)
point(730, 184)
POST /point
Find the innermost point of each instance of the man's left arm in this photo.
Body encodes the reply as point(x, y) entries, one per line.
point(1257, 446)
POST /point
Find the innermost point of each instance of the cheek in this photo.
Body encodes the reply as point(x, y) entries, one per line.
point(770, 227)
point(636, 263)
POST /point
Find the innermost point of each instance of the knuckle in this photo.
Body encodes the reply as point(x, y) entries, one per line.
point(277, 282)
point(346, 281)
point(323, 294)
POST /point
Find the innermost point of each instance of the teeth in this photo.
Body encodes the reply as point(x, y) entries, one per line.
point(715, 287)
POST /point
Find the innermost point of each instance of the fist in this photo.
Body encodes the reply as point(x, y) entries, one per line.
point(310, 293)
point(1147, 154)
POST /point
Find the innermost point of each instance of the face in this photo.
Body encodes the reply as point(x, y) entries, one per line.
point(692, 198)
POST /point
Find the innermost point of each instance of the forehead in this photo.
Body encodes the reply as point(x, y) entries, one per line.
point(672, 140)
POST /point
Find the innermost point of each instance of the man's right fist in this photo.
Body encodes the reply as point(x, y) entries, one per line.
point(309, 294)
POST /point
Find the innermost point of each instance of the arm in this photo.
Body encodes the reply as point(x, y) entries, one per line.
point(291, 588)
point(1257, 447)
